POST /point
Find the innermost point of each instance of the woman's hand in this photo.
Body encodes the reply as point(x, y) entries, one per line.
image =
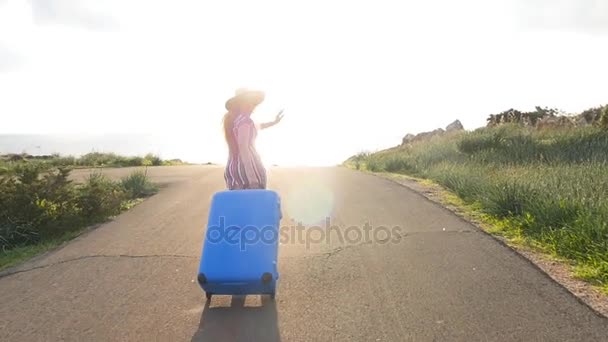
point(279, 117)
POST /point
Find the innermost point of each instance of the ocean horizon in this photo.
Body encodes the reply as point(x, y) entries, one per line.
point(188, 147)
point(165, 146)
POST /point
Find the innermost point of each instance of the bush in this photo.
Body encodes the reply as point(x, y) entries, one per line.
point(173, 162)
point(134, 161)
point(39, 202)
point(153, 159)
point(603, 122)
point(359, 159)
point(374, 164)
point(35, 202)
point(99, 197)
point(16, 234)
point(593, 115)
point(398, 164)
point(138, 185)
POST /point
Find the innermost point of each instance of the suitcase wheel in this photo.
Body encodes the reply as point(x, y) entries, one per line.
point(202, 280)
point(266, 278)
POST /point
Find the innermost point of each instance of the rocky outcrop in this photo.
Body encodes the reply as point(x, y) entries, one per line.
point(428, 135)
point(411, 138)
point(454, 126)
point(408, 138)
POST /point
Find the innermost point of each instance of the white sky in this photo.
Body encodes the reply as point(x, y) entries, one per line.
point(352, 75)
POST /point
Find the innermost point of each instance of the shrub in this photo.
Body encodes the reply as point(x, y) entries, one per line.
point(138, 185)
point(62, 161)
point(99, 197)
point(374, 164)
point(134, 161)
point(173, 162)
point(398, 164)
point(359, 159)
point(16, 234)
point(36, 203)
point(592, 115)
point(39, 202)
point(603, 122)
point(154, 160)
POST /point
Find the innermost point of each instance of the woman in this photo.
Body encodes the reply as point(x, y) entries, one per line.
point(244, 169)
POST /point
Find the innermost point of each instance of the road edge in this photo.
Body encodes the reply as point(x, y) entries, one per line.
point(558, 271)
point(69, 238)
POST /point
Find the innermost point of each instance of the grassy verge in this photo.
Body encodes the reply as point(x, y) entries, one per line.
point(40, 208)
point(14, 256)
point(95, 159)
point(545, 189)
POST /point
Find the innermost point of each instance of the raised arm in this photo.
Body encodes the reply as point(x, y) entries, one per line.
point(277, 119)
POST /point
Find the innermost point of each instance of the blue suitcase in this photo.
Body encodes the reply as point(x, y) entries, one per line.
point(240, 251)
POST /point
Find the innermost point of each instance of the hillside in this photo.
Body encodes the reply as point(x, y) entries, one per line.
point(543, 185)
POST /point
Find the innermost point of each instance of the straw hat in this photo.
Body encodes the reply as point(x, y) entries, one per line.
point(245, 95)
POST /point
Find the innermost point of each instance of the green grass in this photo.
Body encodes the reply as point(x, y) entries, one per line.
point(94, 159)
point(40, 207)
point(19, 254)
point(138, 185)
point(547, 189)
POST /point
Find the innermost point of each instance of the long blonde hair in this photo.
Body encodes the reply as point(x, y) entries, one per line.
point(228, 122)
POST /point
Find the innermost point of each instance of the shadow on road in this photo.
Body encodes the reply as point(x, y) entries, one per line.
point(239, 322)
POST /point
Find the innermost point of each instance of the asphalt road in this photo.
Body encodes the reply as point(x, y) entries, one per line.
point(427, 275)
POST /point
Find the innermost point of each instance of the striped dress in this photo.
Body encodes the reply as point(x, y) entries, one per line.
point(235, 174)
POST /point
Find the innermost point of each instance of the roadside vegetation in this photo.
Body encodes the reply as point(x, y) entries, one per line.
point(40, 207)
point(546, 188)
point(94, 159)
